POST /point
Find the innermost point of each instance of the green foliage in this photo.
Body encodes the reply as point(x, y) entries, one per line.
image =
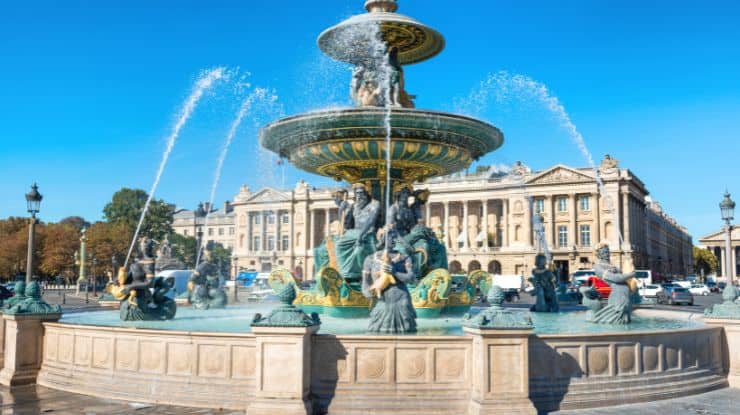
point(77, 221)
point(104, 241)
point(126, 207)
point(705, 261)
point(221, 257)
point(183, 248)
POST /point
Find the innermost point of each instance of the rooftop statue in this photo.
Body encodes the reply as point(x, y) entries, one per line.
point(619, 307)
point(543, 281)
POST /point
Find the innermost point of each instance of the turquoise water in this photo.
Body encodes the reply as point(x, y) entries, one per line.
point(237, 320)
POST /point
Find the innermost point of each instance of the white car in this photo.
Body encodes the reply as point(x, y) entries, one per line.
point(650, 290)
point(699, 289)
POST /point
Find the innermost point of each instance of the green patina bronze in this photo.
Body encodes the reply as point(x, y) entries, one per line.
point(287, 315)
point(730, 306)
point(32, 303)
point(497, 317)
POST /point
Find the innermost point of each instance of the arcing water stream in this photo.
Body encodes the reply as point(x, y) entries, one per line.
point(203, 83)
point(504, 85)
point(257, 95)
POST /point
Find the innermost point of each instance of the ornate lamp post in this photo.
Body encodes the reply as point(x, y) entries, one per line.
point(33, 198)
point(113, 268)
point(727, 207)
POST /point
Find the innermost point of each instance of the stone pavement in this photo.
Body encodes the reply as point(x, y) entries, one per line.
point(32, 400)
point(720, 402)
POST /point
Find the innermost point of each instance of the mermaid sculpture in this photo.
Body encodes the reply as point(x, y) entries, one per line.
point(143, 298)
point(385, 276)
point(205, 286)
point(543, 281)
point(619, 307)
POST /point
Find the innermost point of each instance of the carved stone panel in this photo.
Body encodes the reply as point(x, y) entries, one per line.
point(626, 359)
point(243, 362)
point(671, 358)
point(281, 369)
point(411, 365)
point(66, 348)
point(212, 361)
point(373, 365)
point(598, 360)
point(82, 350)
point(650, 358)
point(152, 356)
point(568, 362)
point(506, 369)
point(180, 359)
point(127, 354)
point(102, 353)
point(449, 365)
point(51, 348)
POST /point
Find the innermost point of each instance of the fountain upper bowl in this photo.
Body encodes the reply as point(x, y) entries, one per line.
point(350, 143)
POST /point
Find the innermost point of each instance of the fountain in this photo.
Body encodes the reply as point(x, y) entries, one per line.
point(283, 358)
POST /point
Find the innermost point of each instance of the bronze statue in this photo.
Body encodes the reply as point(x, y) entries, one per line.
point(143, 298)
point(543, 281)
point(619, 307)
point(205, 286)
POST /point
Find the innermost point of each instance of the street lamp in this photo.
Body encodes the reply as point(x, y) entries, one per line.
point(113, 265)
point(727, 207)
point(33, 198)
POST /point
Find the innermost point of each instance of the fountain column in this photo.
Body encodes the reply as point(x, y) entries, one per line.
point(484, 225)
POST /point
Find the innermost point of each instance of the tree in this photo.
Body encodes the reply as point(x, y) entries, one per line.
point(13, 246)
point(104, 241)
point(221, 257)
point(77, 221)
point(183, 248)
point(126, 207)
point(705, 261)
point(59, 243)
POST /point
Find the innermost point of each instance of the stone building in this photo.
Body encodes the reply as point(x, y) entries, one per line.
point(487, 219)
point(219, 229)
point(715, 242)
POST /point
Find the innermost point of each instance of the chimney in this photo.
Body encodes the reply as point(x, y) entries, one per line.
point(227, 207)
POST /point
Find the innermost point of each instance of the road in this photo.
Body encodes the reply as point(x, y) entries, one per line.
point(700, 303)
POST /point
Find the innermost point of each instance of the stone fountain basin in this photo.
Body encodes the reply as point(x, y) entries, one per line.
point(349, 143)
point(353, 373)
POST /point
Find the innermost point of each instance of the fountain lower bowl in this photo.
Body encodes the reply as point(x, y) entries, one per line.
point(349, 144)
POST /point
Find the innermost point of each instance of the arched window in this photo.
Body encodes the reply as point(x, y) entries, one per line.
point(473, 266)
point(455, 267)
point(494, 267)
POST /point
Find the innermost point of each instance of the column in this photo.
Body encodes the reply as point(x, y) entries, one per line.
point(626, 220)
point(249, 232)
point(263, 232)
point(573, 222)
point(597, 217)
point(466, 242)
point(312, 229)
point(505, 217)
point(447, 225)
point(553, 234)
point(327, 220)
point(484, 225)
point(277, 230)
point(428, 217)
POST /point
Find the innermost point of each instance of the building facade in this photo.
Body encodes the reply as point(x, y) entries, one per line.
point(715, 242)
point(488, 220)
point(219, 228)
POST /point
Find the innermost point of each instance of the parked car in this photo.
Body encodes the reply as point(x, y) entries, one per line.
point(674, 294)
point(600, 286)
point(699, 289)
point(650, 290)
point(581, 276)
point(684, 284)
point(713, 286)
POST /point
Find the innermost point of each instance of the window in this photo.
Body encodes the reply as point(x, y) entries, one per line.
point(256, 243)
point(539, 205)
point(562, 236)
point(231, 231)
point(286, 218)
point(271, 218)
point(210, 231)
point(585, 235)
point(186, 232)
point(220, 231)
point(285, 243)
point(270, 243)
point(257, 219)
point(585, 203)
point(562, 204)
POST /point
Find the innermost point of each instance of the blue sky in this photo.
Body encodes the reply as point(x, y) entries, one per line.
point(89, 91)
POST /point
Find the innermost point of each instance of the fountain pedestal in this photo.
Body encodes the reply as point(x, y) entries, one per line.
point(24, 344)
point(730, 347)
point(283, 371)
